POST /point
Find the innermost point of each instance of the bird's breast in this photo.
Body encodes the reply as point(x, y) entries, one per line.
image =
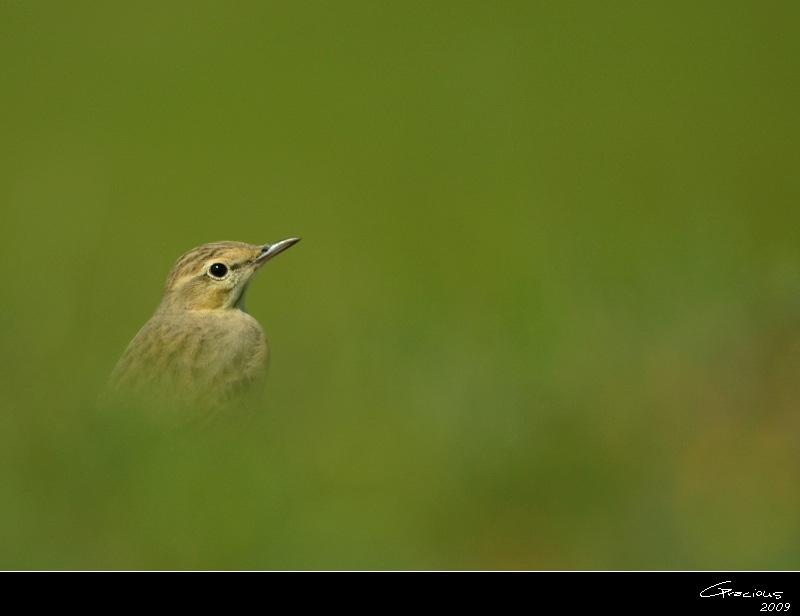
point(198, 358)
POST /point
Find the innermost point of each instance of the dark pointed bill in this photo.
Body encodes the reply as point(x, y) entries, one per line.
point(270, 250)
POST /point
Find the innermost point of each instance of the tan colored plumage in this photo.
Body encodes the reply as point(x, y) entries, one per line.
point(201, 354)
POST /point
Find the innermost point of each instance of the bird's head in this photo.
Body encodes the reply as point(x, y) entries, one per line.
point(215, 276)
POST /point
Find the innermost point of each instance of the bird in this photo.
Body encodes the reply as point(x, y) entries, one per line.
point(201, 356)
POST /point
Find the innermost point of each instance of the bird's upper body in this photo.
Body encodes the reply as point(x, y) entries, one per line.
point(200, 352)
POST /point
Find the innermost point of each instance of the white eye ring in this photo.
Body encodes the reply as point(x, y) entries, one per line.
point(218, 271)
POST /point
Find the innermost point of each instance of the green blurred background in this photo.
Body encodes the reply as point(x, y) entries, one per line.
point(545, 314)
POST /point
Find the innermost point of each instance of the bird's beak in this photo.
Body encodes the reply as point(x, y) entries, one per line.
point(270, 250)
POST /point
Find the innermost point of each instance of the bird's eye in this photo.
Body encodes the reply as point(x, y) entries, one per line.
point(218, 270)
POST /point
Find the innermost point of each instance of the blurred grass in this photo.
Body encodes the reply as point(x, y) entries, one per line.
point(546, 313)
